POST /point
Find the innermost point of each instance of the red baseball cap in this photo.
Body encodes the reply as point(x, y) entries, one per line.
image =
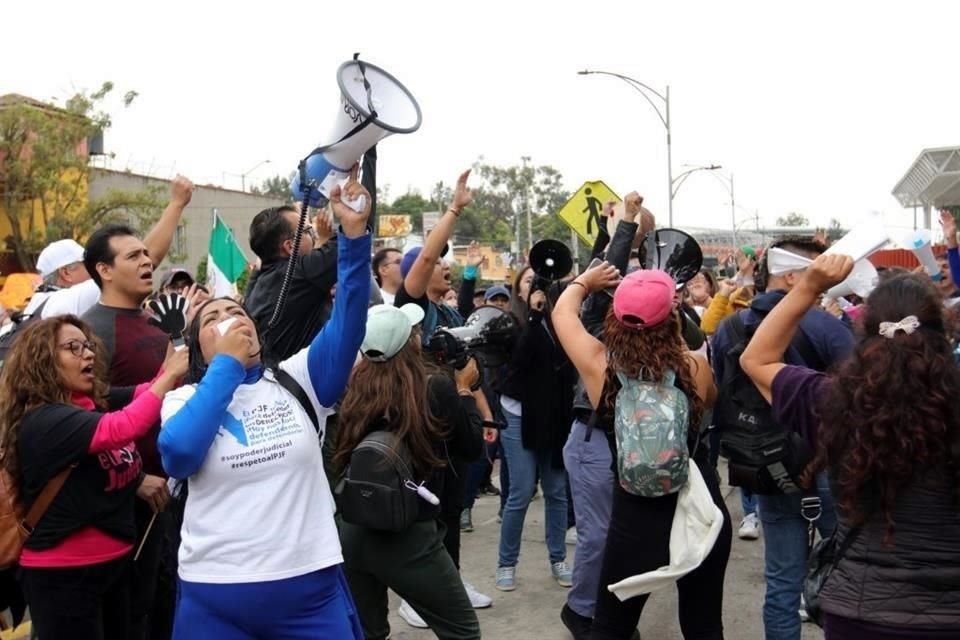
point(644, 298)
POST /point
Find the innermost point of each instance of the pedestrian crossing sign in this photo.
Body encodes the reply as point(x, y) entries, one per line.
point(583, 212)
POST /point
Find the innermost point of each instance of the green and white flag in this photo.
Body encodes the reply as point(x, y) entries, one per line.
point(225, 262)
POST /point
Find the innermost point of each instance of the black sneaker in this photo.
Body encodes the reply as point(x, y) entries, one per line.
point(576, 624)
point(489, 490)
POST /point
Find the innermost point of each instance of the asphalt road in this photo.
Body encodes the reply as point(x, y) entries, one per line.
point(533, 610)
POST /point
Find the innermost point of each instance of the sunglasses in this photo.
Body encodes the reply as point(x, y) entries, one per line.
point(77, 347)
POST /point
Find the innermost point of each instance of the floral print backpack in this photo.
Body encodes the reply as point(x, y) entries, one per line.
point(651, 431)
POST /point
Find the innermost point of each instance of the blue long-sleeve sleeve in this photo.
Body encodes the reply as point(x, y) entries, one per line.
point(334, 350)
point(192, 426)
point(953, 257)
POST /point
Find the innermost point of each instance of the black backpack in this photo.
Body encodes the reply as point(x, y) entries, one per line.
point(377, 490)
point(764, 458)
point(20, 322)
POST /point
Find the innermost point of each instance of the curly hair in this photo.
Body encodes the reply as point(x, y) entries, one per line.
point(892, 409)
point(32, 378)
point(394, 394)
point(647, 354)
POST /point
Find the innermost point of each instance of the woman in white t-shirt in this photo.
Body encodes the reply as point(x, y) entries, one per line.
point(260, 555)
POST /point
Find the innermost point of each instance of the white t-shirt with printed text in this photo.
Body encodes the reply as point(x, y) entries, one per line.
point(260, 507)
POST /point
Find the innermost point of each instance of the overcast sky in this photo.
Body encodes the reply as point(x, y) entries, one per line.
point(819, 107)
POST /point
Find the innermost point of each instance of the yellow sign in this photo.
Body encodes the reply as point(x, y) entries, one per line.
point(394, 226)
point(584, 210)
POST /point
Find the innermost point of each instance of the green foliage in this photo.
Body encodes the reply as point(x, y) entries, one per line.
point(410, 203)
point(835, 231)
point(276, 186)
point(44, 174)
point(201, 274)
point(793, 219)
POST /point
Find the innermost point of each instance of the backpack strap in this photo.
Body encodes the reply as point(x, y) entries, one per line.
point(42, 503)
point(669, 377)
point(290, 384)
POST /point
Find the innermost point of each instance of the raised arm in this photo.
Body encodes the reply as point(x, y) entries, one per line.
point(159, 239)
point(333, 351)
point(585, 352)
point(762, 360)
point(419, 276)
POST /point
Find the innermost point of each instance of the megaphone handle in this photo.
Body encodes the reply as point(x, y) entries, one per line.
point(306, 189)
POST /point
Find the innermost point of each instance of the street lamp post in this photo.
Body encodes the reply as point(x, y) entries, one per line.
point(664, 116)
point(243, 176)
point(727, 183)
point(680, 179)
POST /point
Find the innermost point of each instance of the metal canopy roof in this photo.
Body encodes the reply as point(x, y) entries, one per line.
point(932, 181)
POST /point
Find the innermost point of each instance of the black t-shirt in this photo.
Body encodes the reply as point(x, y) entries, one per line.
point(99, 492)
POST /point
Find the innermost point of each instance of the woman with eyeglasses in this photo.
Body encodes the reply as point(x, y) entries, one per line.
point(54, 415)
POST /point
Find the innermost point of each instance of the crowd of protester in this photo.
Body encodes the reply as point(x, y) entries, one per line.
point(208, 455)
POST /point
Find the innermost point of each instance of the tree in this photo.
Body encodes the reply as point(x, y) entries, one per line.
point(793, 219)
point(44, 173)
point(835, 231)
point(276, 186)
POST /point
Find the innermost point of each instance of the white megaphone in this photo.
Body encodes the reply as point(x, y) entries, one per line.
point(781, 261)
point(860, 282)
point(865, 238)
point(373, 105)
point(919, 243)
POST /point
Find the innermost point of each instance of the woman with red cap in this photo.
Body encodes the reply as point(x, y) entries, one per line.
point(642, 341)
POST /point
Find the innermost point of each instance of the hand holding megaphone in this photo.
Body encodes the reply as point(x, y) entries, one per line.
point(352, 221)
point(826, 271)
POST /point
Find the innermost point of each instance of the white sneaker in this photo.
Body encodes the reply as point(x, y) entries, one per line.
point(572, 536)
point(749, 527)
point(804, 616)
point(410, 616)
point(477, 599)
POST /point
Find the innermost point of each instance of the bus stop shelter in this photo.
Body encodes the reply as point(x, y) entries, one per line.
point(932, 182)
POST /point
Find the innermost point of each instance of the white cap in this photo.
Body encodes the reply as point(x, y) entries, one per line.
point(58, 254)
point(388, 329)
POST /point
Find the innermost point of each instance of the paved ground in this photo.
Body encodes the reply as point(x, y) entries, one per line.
point(533, 610)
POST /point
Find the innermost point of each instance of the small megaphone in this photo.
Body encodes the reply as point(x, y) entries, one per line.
point(919, 243)
point(373, 105)
point(865, 238)
point(551, 259)
point(860, 282)
point(675, 252)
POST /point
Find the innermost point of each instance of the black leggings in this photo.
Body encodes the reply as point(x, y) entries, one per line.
point(639, 541)
point(79, 603)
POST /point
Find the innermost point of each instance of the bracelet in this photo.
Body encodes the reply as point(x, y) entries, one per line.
point(465, 392)
point(581, 284)
point(455, 211)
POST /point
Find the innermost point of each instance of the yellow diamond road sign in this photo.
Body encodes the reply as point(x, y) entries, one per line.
point(584, 209)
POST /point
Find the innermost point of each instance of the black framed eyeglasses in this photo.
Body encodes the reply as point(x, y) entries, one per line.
point(77, 347)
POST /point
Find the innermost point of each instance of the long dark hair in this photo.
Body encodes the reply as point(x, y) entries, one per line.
point(394, 395)
point(892, 411)
point(647, 354)
point(31, 378)
point(519, 307)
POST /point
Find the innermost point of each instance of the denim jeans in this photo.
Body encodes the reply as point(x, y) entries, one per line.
point(591, 482)
point(749, 502)
point(785, 557)
point(524, 465)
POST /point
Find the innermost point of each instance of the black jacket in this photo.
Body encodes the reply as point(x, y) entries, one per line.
point(916, 581)
point(308, 305)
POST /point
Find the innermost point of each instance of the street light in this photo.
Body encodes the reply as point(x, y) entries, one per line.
point(664, 115)
point(680, 179)
point(243, 176)
point(727, 184)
